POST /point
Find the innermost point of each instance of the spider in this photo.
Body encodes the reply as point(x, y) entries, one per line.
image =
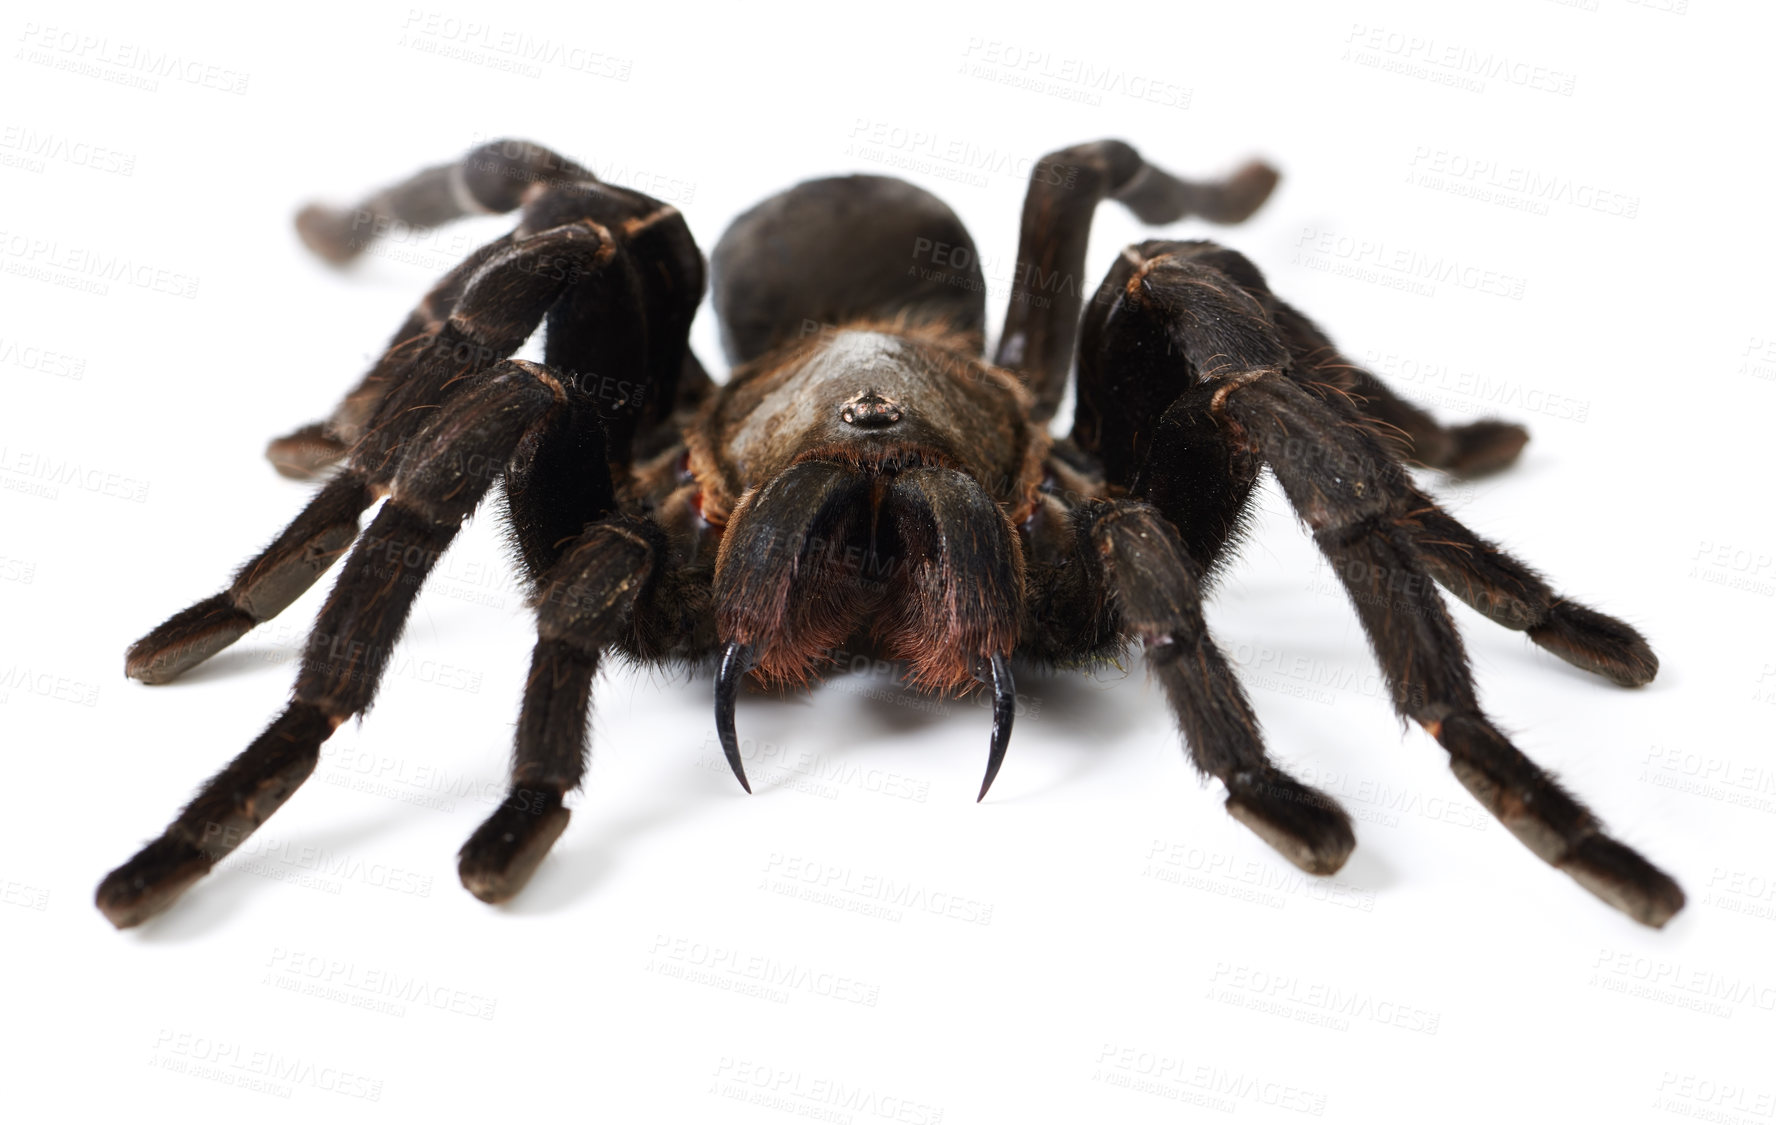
point(865, 478)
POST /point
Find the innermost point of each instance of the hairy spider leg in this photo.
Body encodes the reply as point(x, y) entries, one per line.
point(617, 338)
point(499, 309)
point(1472, 568)
point(1409, 432)
point(1364, 516)
point(441, 478)
point(1152, 581)
point(1504, 589)
point(1048, 288)
point(495, 178)
point(311, 450)
point(585, 605)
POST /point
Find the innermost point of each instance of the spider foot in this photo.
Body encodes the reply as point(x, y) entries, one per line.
point(504, 852)
point(1620, 876)
point(1484, 447)
point(151, 881)
point(1597, 643)
point(331, 233)
point(189, 637)
point(261, 590)
point(306, 453)
point(1551, 823)
point(228, 810)
point(1307, 827)
point(1242, 193)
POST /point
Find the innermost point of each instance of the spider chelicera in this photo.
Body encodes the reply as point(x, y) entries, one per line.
point(865, 480)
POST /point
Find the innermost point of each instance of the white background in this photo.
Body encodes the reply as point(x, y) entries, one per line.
point(1097, 941)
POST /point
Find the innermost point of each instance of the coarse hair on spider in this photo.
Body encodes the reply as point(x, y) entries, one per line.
point(866, 480)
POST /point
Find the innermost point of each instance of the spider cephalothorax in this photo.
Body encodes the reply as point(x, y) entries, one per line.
point(891, 461)
point(866, 478)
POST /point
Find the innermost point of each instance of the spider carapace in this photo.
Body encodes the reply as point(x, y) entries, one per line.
point(866, 476)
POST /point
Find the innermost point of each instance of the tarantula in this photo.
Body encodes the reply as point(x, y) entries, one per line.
point(865, 476)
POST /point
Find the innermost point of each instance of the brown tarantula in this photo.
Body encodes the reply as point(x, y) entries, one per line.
point(864, 476)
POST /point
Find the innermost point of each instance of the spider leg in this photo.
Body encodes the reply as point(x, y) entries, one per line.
point(261, 589)
point(492, 179)
point(440, 480)
point(1066, 187)
point(498, 310)
point(1367, 520)
point(1153, 586)
point(499, 177)
point(1506, 590)
point(1171, 453)
point(1407, 431)
point(309, 451)
point(600, 578)
point(584, 605)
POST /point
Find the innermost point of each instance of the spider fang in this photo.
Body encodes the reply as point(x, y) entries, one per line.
point(736, 661)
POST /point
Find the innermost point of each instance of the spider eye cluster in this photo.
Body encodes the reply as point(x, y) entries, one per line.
point(870, 411)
